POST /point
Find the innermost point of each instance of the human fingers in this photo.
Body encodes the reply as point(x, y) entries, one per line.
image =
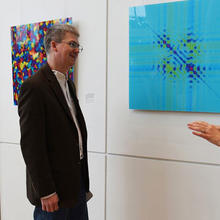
point(50, 204)
point(198, 123)
point(51, 207)
point(203, 135)
point(56, 207)
point(194, 125)
point(196, 128)
point(55, 202)
point(200, 126)
point(43, 207)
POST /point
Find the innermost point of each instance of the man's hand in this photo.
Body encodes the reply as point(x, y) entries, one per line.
point(50, 204)
point(207, 131)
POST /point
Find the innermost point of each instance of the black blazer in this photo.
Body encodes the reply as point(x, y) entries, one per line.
point(49, 139)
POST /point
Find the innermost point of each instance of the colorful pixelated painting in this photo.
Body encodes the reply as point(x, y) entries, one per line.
point(28, 53)
point(174, 56)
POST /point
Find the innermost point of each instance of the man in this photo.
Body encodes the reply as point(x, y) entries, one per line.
point(53, 132)
point(207, 131)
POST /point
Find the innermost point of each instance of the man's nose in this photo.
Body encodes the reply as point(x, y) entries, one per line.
point(76, 50)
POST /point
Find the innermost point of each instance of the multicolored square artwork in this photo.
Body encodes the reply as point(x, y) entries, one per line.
point(174, 56)
point(28, 53)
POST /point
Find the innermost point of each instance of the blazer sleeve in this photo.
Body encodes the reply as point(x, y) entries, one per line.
point(33, 138)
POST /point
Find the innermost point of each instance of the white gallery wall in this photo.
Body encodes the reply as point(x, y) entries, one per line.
point(156, 169)
point(90, 80)
point(144, 165)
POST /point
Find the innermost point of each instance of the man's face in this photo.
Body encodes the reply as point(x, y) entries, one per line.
point(66, 53)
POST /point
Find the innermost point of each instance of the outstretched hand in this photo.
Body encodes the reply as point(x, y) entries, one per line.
point(205, 130)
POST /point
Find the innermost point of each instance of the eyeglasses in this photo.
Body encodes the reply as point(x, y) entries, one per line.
point(74, 45)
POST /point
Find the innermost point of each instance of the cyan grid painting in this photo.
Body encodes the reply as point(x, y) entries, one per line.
point(174, 56)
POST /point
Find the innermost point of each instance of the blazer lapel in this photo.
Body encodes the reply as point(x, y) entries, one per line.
point(79, 114)
point(54, 85)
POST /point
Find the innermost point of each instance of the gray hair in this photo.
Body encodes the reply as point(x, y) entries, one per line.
point(56, 33)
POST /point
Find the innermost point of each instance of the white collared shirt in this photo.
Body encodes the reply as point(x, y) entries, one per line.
point(62, 79)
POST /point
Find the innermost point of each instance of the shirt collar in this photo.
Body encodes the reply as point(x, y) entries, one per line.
point(60, 76)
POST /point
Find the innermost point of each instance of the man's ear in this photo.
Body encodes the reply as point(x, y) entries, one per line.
point(53, 45)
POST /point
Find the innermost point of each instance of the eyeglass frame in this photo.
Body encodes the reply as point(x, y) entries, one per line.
point(74, 45)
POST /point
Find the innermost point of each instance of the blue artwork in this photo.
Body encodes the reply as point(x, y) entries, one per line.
point(174, 56)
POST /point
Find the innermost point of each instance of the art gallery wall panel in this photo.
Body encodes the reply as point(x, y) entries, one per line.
point(32, 11)
point(90, 17)
point(96, 206)
point(90, 70)
point(13, 184)
point(10, 14)
point(153, 189)
point(18, 13)
point(145, 133)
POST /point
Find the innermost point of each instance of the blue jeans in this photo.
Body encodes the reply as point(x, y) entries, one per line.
point(79, 212)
